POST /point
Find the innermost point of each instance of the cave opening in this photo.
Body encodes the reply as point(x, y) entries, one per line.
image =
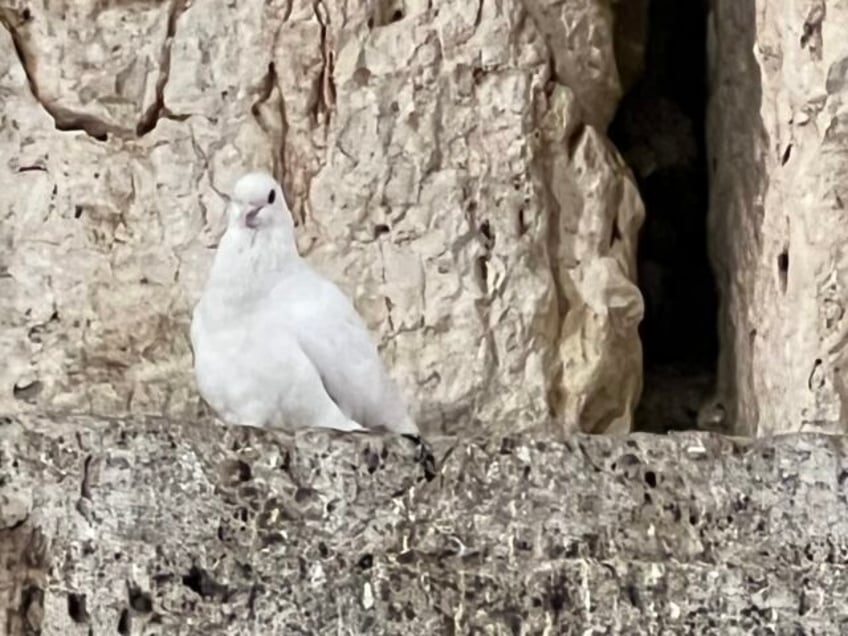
point(659, 129)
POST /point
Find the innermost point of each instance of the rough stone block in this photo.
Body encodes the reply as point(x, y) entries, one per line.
point(151, 526)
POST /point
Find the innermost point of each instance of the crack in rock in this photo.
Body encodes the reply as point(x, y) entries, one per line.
point(325, 89)
point(157, 109)
point(66, 119)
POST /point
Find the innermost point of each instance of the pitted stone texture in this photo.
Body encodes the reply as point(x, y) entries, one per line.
point(187, 528)
point(778, 137)
point(94, 65)
point(445, 164)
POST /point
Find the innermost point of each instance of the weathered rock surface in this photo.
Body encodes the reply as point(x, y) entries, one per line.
point(778, 137)
point(445, 162)
point(162, 527)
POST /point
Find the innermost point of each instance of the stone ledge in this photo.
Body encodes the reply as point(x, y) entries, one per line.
point(146, 526)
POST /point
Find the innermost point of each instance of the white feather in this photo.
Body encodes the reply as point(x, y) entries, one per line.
point(278, 345)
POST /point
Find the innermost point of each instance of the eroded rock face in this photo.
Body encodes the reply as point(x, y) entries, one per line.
point(445, 165)
point(162, 527)
point(778, 136)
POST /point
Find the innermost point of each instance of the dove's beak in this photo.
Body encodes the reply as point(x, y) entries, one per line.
point(250, 219)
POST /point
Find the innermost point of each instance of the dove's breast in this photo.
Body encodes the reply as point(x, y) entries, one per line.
point(219, 369)
point(227, 366)
point(249, 374)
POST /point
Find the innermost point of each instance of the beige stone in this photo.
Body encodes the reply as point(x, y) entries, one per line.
point(446, 165)
point(778, 137)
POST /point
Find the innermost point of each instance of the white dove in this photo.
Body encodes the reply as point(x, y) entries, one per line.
point(276, 344)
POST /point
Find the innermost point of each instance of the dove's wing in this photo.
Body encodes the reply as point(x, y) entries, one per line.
point(238, 368)
point(336, 340)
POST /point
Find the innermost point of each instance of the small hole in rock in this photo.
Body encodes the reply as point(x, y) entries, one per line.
point(409, 556)
point(651, 478)
point(556, 597)
point(201, 582)
point(786, 154)
point(77, 608)
point(27, 392)
point(124, 623)
point(483, 273)
point(615, 235)
point(360, 77)
point(372, 460)
point(783, 269)
point(486, 231)
point(161, 578)
point(380, 229)
point(77, 211)
point(365, 561)
point(244, 471)
point(633, 595)
point(140, 601)
point(397, 15)
point(522, 222)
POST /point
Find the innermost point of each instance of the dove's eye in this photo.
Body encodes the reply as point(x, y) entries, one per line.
point(271, 196)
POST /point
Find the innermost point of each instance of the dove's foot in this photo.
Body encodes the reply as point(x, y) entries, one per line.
point(423, 456)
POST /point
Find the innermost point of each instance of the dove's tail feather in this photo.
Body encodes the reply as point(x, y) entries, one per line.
point(407, 426)
point(342, 424)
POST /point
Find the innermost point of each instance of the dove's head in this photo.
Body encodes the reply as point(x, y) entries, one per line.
point(257, 202)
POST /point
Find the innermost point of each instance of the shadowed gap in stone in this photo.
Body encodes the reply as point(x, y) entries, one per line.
point(660, 130)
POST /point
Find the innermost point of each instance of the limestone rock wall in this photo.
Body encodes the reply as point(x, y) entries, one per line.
point(778, 136)
point(162, 527)
point(445, 162)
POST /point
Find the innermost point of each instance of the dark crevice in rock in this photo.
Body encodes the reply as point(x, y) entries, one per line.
point(660, 130)
point(269, 112)
point(255, 591)
point(139, 600)
point(77, 609)
point(85, 485)
point(157, 110)
point(31, 610)
point(124, 623)
point(323, 96)
point(201, 582)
